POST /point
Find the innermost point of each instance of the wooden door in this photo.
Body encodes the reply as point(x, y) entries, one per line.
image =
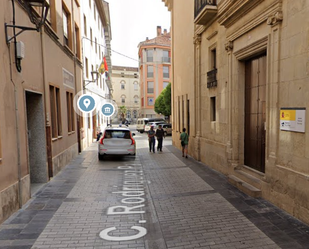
point(255, 113)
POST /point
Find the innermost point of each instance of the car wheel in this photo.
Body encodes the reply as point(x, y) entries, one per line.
point(165, 134)
point(101, 157)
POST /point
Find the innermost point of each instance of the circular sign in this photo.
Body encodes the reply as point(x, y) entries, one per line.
point(86, 103)
point(108, 110)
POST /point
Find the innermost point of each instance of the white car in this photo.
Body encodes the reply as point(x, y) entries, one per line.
point(116, 141)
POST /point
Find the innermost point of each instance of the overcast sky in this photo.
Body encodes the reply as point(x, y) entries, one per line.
point(131, 22)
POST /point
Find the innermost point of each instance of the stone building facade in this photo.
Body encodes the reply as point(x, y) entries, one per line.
point(38, 126)
point(246, 104)
point(126, 86)
point(95, 42)
point(154, 68)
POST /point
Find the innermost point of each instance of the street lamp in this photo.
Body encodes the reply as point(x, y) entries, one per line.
point(37, 11)
point(94, 76)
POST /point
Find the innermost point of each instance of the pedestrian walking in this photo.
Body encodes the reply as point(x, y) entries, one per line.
point(151, 138)
point(184, 142)
point(160, 135)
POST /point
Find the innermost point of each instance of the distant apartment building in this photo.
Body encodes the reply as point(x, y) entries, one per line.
point(95, 42)
point(39, 132)
point(155, 70)
point(126, 86)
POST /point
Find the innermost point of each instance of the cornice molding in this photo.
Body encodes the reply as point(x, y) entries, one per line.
point(230, 11)
point(252, 49)
point(258, 19)
point(212, 35)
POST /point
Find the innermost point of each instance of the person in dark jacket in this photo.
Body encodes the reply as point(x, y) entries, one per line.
point(160, 135)
point(151, 139)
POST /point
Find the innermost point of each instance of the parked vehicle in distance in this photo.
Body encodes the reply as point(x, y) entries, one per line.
point(167, 129)
point(116, 141)
point(141, 122)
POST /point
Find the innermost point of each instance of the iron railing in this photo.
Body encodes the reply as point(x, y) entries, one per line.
point(200, 4)
point(212, 78)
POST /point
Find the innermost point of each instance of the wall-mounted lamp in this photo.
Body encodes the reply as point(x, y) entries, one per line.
point(94, 76)
point(37, 11)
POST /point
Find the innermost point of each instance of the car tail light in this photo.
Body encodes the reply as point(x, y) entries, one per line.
point(101, 140)
point(133, 141)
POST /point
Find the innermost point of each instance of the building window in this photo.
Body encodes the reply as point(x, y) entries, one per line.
point(70, 112)
point(166, 72)
point(150, 87)
point(213, 59)
point(77, 42)
point(96, 47)
point(128, 114)
point(51, 15)
point(86, 67)
point(91, 36)
point(166, 56)
point(94, 12)
point(55, 110)
point(123, 86)
point(134, 114)
point(150, 72)
point(66, 18)
point(135, 75)
point(150, 101)
point(85, 25)
point(212, 74)
point(149, 54)
point(123, 99)
point(135, 99)
point(135, 86)
point(212, 108)
point(165, 84)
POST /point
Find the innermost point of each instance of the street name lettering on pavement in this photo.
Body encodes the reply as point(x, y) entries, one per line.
point(132, 190)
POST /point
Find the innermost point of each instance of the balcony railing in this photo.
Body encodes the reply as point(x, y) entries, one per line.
point(212, 78)
point(204, 11)
point(166, 59)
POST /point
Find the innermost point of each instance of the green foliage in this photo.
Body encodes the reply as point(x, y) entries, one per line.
point(123, 111)
point(163, 102)
point(167, 99)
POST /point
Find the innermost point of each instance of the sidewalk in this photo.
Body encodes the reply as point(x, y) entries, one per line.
point(154, 201)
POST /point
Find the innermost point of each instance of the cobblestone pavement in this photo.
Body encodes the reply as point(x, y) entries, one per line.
point(155, 201)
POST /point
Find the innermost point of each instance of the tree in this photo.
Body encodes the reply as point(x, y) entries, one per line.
point(167, 99)
point(163, 102)
point(123, 111)
point(159, 106)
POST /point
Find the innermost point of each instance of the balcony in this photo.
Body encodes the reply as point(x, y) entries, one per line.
point(204, 11)
point(212, 78)
point(166, 60)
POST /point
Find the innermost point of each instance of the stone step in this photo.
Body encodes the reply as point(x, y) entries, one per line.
point(248, 178)
point(244, 187)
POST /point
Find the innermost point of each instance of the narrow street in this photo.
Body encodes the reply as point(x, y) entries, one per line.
point(155, 201)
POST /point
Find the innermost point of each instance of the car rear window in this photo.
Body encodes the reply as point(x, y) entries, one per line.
point(117, 134)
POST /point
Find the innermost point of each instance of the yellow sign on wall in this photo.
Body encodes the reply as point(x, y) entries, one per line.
point(292, 119)
point(289, 115)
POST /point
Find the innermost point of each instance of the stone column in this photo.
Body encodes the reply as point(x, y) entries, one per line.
point(273, 87)
point(197, 93)
point(229, 144)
